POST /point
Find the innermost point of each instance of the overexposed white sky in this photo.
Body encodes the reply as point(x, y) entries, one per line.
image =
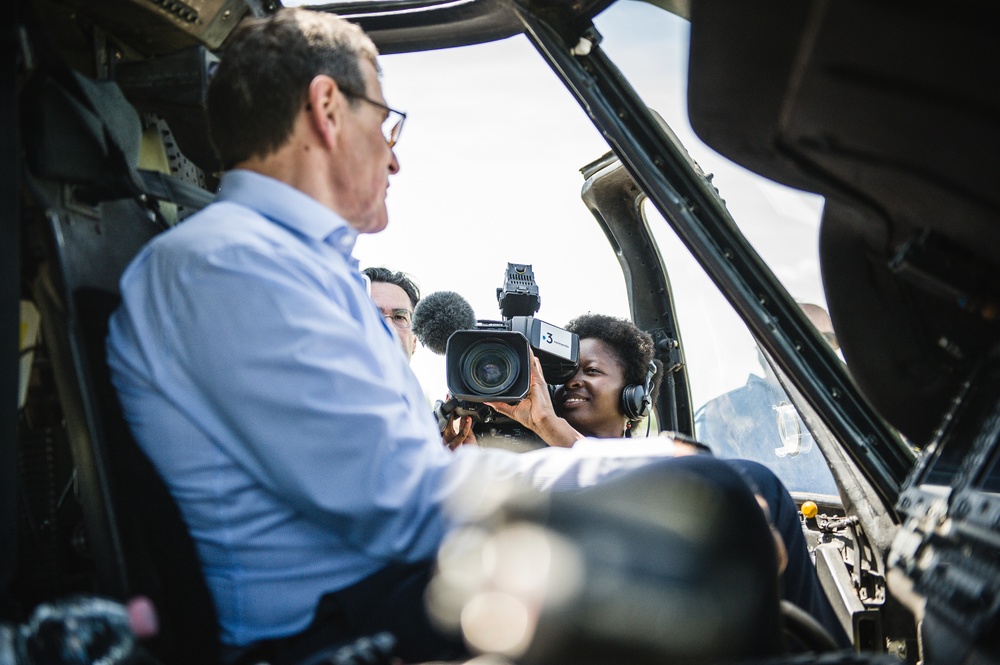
point(490, 158)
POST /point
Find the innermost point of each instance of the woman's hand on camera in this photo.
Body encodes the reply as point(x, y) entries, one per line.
point(536, 412)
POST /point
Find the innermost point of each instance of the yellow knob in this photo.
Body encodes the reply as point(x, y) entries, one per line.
point(809, 509)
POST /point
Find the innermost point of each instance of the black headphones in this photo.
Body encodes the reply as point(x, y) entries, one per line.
point(638, 399)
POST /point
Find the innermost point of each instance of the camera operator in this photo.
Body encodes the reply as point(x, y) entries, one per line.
point(613, 355)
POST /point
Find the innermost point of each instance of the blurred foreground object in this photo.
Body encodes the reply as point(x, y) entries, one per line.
point(79, 631)
point(670, 563)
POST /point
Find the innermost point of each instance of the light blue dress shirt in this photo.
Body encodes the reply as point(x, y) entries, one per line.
point(265, 386)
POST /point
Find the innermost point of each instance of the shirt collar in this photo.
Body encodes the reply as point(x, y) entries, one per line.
point(290, 207)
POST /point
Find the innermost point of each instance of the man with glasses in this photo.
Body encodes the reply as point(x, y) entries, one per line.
point(253, 369)
point(396, 296)
point(268, 392)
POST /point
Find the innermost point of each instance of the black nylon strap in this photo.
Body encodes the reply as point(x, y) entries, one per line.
point(167, 188)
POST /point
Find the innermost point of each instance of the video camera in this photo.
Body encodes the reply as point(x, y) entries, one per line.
point(492, 363)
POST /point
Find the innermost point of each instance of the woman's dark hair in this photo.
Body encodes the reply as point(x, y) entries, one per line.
point(632, 346)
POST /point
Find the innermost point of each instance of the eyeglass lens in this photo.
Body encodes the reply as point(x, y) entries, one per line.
point(401, 318)
point(392, 127)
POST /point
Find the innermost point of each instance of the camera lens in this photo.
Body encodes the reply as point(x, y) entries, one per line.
point(490, 367)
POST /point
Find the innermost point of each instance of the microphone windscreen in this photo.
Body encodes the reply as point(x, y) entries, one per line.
point(439, 315)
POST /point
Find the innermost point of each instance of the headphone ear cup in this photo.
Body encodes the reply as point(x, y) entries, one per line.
point(634, 403)
point(638, 399)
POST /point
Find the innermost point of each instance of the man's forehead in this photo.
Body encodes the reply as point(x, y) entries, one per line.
point(390, 296)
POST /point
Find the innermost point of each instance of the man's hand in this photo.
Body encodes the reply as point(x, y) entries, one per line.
point(458, 432)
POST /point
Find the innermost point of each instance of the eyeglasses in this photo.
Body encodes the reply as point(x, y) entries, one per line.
point(392, 126)
point(401, 318)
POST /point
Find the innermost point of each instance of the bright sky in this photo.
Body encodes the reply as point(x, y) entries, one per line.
point(490, 158)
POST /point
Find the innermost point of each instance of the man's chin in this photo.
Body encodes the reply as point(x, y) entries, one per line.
point(375, 224)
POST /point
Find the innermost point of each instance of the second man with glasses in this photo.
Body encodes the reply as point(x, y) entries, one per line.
point(396, 296)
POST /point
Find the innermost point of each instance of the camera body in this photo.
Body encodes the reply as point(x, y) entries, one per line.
point(493, 361)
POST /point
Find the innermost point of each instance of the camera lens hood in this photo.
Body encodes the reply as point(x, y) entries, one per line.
point(488, 365)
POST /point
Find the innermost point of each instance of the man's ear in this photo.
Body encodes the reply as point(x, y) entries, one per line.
point(324, 106)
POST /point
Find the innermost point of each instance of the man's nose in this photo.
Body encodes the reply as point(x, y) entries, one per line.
point(393, 163)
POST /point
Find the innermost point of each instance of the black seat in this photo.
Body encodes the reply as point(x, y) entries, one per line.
point(96, 217)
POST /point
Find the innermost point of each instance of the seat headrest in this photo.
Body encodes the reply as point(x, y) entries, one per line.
point(82, 132)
